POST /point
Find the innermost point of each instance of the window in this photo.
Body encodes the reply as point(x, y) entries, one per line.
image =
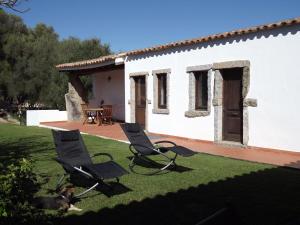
point(161, 94)
point(201, 91)
point(162, 90)
point(140, 91)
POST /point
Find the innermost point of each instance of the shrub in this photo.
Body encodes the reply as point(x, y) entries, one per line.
point(18, 183)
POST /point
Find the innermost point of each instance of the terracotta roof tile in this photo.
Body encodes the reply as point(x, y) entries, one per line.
point(103, 59)
point(83, 63)
point(218, 36)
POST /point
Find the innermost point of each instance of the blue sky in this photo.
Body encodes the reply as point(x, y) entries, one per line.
point(133, 24)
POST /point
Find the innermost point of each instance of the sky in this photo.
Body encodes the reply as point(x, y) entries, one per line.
point(132, 24)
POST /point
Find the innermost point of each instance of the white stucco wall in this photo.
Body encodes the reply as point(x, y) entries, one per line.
point(274, 82)
point(111, 91)
point(35, 117)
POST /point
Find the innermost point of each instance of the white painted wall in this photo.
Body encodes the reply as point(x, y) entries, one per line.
point(35, 117)
point(274, 82)
point(111, 91)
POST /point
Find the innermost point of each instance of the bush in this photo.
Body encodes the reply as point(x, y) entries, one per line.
point(18, 183)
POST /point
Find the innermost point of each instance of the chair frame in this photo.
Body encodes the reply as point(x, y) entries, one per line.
point(102, 117)
point(85, 173)
point(71, 169)
point(85, 112)
point(170, 163)
point(155, 149)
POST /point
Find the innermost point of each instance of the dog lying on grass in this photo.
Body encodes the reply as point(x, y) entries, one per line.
point(62, 202)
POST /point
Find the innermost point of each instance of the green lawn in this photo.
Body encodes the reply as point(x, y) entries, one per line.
point(261, 194)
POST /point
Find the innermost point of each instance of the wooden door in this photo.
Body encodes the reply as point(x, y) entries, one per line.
point(140, 100)
point(232, 105)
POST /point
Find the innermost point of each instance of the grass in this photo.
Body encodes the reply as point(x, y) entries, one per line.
point(261, 194)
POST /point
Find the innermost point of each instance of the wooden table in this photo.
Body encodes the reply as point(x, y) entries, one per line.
point(96, 110)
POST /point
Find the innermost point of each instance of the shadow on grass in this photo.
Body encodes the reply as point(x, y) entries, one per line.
point(269, 196)
point(19, 182)
point(109, 188)
point(13, 151)
point(154, 166)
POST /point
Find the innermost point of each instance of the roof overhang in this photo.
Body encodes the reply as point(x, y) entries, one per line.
point(100, 62)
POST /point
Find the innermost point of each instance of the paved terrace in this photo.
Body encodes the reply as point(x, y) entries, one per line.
point(254, 154)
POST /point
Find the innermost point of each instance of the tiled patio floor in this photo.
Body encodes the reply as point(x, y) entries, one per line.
point(262, 155)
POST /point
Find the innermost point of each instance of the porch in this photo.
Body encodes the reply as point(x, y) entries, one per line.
point(254, 154)
point(108, 86)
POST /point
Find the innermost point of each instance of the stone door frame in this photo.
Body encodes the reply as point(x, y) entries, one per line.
point(132, 96)
point(218, 98)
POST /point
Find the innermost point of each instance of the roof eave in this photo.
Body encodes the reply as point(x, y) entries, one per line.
point(86, 67)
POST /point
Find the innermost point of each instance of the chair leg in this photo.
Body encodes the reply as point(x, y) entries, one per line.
point(100, 121)
point(86, 191)
point(166, 166)
point(60, 180)
point(85, 119)
point(170, 163)
point(132, 164)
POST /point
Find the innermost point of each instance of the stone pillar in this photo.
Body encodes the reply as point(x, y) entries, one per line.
point(76, 96)
point(218, 105)
point(132, 99)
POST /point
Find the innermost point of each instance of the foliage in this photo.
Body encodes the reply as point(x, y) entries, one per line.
point(17, 185)
point(12, 4)
point(27, 62)
point(73, 49)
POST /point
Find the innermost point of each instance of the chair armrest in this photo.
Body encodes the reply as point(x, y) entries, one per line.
point(105, 154)
point(140, 145)
point(167, 142)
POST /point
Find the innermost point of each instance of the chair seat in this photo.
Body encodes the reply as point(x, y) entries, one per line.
point(106, 170)
point(180, 150)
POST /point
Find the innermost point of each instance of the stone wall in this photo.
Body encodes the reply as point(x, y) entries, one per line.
point(76, 96)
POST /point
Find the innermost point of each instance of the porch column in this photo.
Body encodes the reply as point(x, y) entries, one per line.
point(218, 105)
point(76, 96)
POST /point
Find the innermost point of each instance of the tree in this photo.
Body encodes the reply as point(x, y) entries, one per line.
point(73, 49)
point(42, 51)
point(12, 35)
point(13, 5)
point(28, 58)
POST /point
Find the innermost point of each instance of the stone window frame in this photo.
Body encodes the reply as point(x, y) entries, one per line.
point(131, 102)
point(155, 109)
point(218, 98)
point(192, 112)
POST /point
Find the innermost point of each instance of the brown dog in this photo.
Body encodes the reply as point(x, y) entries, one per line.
point(61, 202)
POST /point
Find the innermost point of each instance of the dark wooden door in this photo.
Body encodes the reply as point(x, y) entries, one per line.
point(232, 105)
point(140, 100)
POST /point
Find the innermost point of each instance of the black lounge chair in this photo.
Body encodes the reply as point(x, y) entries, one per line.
point(141, 147)
point(74, 158)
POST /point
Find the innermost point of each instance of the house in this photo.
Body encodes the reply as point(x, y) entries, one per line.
point(240, 87)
